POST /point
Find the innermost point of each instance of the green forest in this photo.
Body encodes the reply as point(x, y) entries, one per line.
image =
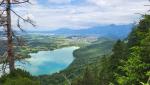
point(129, 63)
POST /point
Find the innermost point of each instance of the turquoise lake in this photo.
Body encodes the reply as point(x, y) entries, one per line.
point(48, 62)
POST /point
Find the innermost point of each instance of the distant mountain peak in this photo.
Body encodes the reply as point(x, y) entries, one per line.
point(112, 30)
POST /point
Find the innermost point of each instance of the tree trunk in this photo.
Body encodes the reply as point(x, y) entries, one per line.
point(10, 57)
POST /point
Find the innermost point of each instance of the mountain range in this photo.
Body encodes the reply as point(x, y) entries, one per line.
point(112, 31)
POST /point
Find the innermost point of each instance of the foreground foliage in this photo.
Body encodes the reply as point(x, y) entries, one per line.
point(18, 77)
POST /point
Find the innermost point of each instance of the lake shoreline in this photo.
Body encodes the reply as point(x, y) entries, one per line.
point(77, 47)
point(73, 48)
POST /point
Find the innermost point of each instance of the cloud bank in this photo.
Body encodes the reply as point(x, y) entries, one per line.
point(80, 14)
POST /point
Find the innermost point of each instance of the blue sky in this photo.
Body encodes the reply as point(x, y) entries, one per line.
point(81, 14)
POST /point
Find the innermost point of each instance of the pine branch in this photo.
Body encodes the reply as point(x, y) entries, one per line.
point(25, 20)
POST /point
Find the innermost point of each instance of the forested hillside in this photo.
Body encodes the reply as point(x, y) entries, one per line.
point(128, 65)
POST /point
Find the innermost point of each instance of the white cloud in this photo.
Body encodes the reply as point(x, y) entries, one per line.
point(59, 1)
point(91, 13)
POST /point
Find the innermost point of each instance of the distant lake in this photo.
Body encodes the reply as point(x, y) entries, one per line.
point(48, 62)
